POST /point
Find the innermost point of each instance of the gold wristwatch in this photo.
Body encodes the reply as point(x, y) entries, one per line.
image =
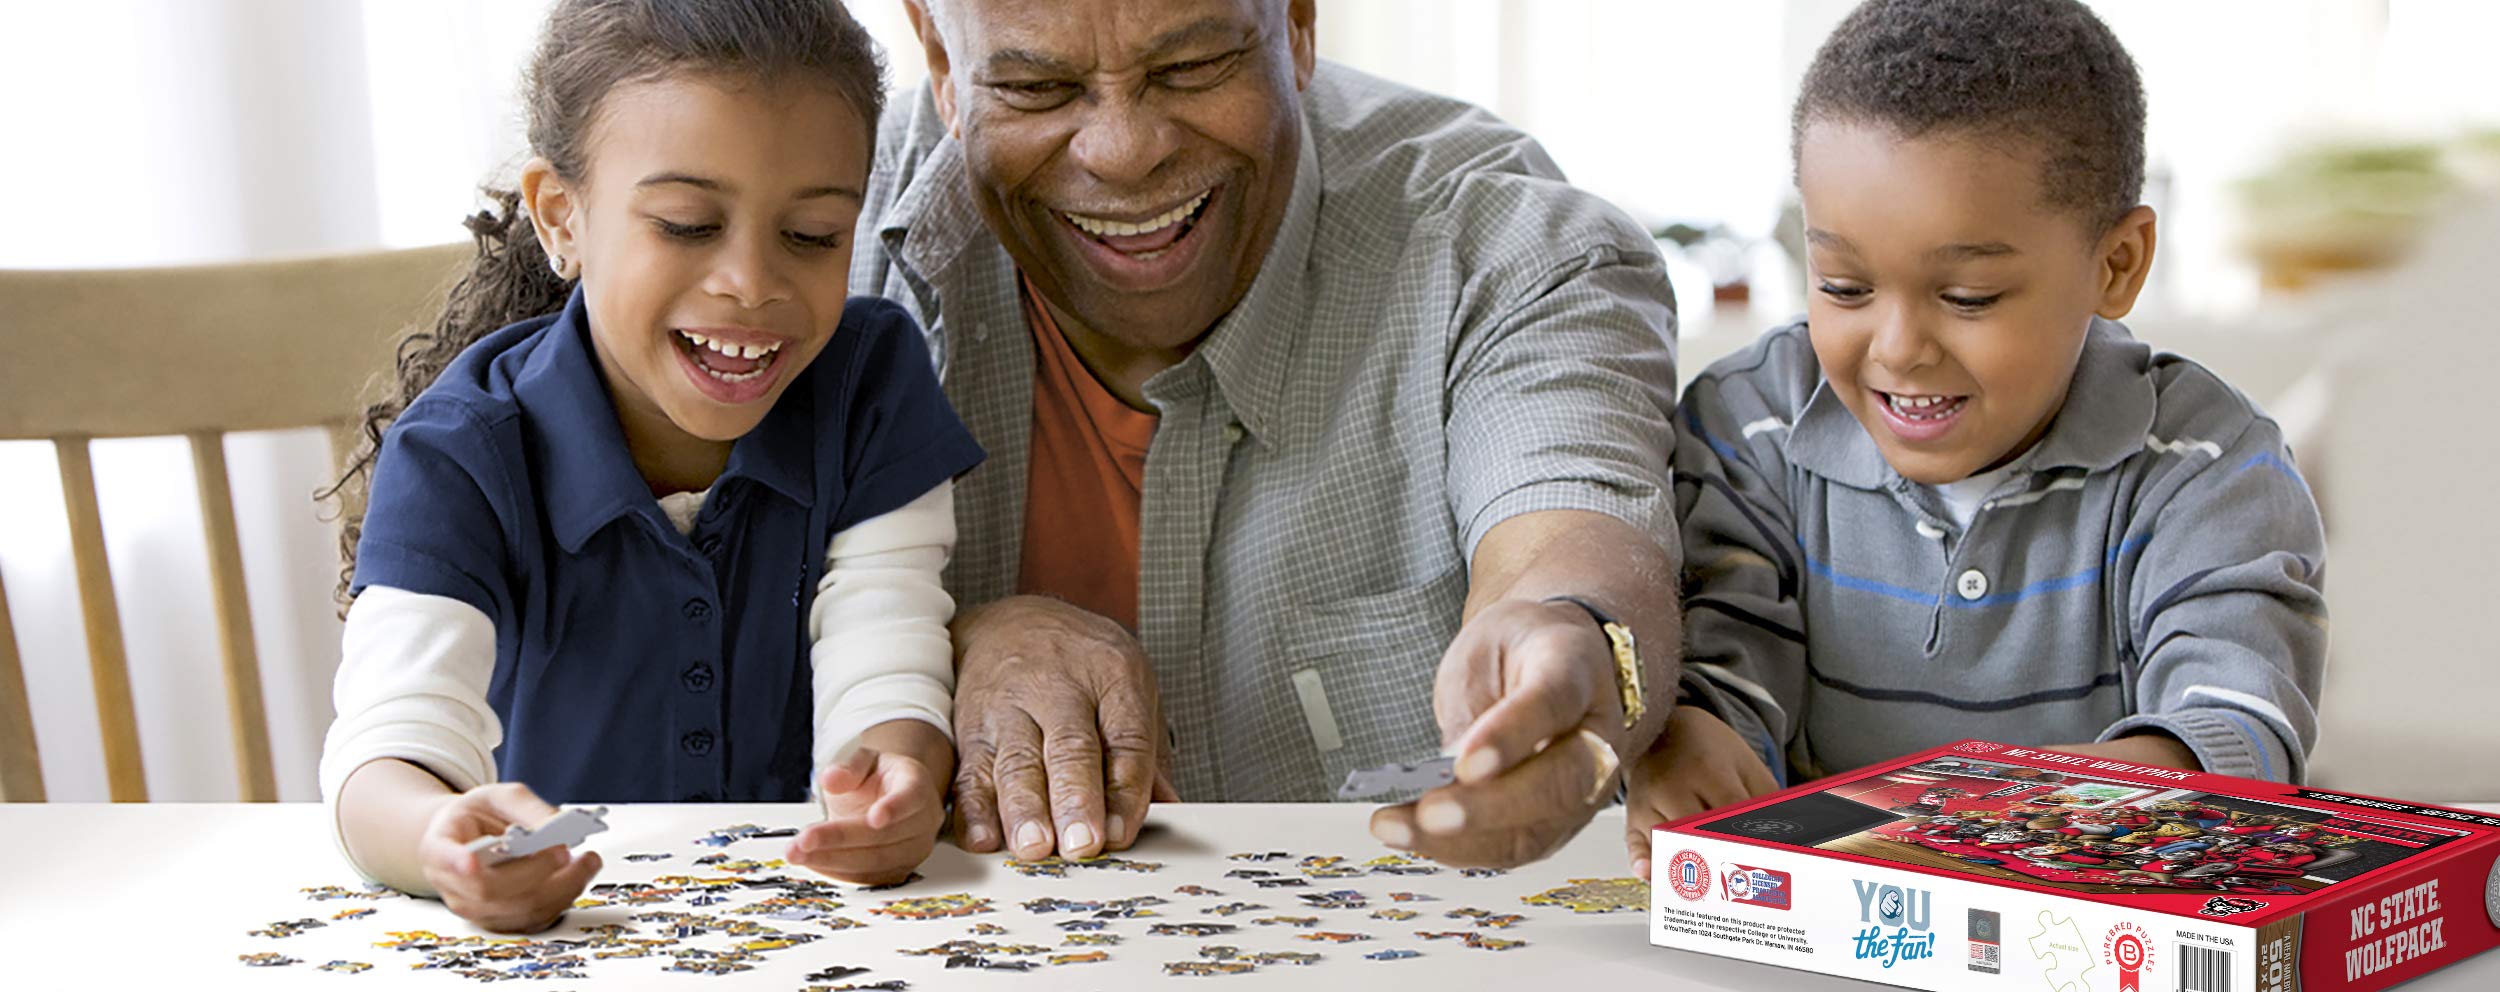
point(1628, 676)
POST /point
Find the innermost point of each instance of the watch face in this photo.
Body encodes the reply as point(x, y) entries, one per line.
point(2491, 894)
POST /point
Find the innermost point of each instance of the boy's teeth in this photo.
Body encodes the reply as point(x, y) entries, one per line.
point(1920, 407)
point(1116, 229)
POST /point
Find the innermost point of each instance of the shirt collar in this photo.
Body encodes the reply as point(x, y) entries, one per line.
point(588, 479)
point(1251, 348)
point(2108, 411)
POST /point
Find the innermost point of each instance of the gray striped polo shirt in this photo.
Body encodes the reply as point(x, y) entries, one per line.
point(2156, 562)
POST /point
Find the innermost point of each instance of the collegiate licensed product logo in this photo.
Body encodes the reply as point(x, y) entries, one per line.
point(1987, 942)
point(1688, 875)
point(2219, 906)
point(2131, 949)
point(1900, 923)
point(1754, 886)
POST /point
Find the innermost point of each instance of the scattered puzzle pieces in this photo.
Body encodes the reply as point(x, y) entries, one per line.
point(935, 907)
point(1596, 895)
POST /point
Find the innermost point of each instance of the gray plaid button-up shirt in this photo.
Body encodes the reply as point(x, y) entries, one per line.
point(1444, 335)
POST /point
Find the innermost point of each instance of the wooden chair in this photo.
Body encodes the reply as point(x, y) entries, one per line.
point(194, 351)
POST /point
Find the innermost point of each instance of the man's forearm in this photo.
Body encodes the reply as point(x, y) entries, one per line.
point(1612, 564)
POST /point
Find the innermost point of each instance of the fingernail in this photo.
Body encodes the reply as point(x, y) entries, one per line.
point(1640, 868)
point(1119, 829)
point(977, 837)
point(1479, 764)
point(1441, 816)
point(1607, 765)
point(1394, 833)
point(1076, 837)
point(1029, 836)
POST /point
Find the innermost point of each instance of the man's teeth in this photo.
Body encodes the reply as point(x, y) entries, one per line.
point(728, 350)
point(1101, 228)
point(1922, 407)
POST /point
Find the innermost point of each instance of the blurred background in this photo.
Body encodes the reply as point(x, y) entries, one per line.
point(2303, 154)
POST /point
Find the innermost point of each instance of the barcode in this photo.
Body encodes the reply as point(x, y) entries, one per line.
point(2204, 969)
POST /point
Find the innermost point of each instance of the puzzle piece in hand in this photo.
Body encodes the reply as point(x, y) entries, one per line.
point(567, 828)
point(2061, 942)
point(1399, 776)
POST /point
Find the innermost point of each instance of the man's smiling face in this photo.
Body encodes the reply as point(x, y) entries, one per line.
point(1133, 156)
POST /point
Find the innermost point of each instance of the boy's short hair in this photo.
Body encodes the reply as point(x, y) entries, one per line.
point(2045, 71)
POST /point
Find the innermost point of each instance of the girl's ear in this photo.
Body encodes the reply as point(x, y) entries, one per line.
point(555, 214)
point(2125, 258)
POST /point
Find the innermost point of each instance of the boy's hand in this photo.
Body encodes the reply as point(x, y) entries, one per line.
point(2153, 748)
point(883, 810)
point(524, 895)
point(1699, 763)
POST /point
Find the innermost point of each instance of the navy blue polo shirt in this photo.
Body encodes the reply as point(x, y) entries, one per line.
point(633, 663)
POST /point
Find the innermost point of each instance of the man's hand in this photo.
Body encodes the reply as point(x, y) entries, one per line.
point(1059, 730)
point(524, 895)
point(1526, 698)
point(1699, 763)
point(884, 801)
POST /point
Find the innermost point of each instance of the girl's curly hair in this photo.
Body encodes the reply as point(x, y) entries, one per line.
point(587, 49)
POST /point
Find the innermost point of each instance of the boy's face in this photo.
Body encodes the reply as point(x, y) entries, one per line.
point(1947, 299)
point(712, 236)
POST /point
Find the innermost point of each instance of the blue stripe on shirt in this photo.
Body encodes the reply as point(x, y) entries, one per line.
point(2078, 580)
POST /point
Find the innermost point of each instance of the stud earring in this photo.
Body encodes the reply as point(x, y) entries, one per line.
point(555, 263)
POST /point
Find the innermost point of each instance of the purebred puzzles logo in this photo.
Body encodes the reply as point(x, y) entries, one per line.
point(2221, 906)
point(1753, 886)
point(1911, 915)
point(2131, 949)
point(1689, 875)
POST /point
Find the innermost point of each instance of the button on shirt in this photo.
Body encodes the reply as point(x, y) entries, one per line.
point(635, 663)
point(2155, 564)
point(1444, 335)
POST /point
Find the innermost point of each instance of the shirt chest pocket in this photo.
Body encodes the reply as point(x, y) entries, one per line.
point(1360, 672)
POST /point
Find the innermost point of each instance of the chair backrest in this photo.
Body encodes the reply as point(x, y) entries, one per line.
point(194, 351)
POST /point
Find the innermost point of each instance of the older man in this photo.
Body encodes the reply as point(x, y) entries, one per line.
point(1327, 428)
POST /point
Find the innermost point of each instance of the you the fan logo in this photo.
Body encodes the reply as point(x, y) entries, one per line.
point(1910, 913)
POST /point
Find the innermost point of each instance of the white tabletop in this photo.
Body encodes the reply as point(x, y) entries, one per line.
point(162, 896)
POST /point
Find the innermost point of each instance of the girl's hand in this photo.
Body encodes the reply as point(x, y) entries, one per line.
point(1699, 763)
point(524, 895)
point(882, 814)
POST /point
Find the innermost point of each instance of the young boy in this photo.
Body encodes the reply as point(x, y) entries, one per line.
point(1960, 500)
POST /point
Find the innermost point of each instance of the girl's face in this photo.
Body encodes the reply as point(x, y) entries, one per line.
point(1948, 300)
point(712, 235)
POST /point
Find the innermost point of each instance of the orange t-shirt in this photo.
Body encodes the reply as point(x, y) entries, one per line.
point(1085, 482)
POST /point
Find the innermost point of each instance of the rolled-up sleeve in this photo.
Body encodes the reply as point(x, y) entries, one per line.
point(1565, 400)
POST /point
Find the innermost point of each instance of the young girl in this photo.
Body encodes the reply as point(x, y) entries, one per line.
point(674, 533)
